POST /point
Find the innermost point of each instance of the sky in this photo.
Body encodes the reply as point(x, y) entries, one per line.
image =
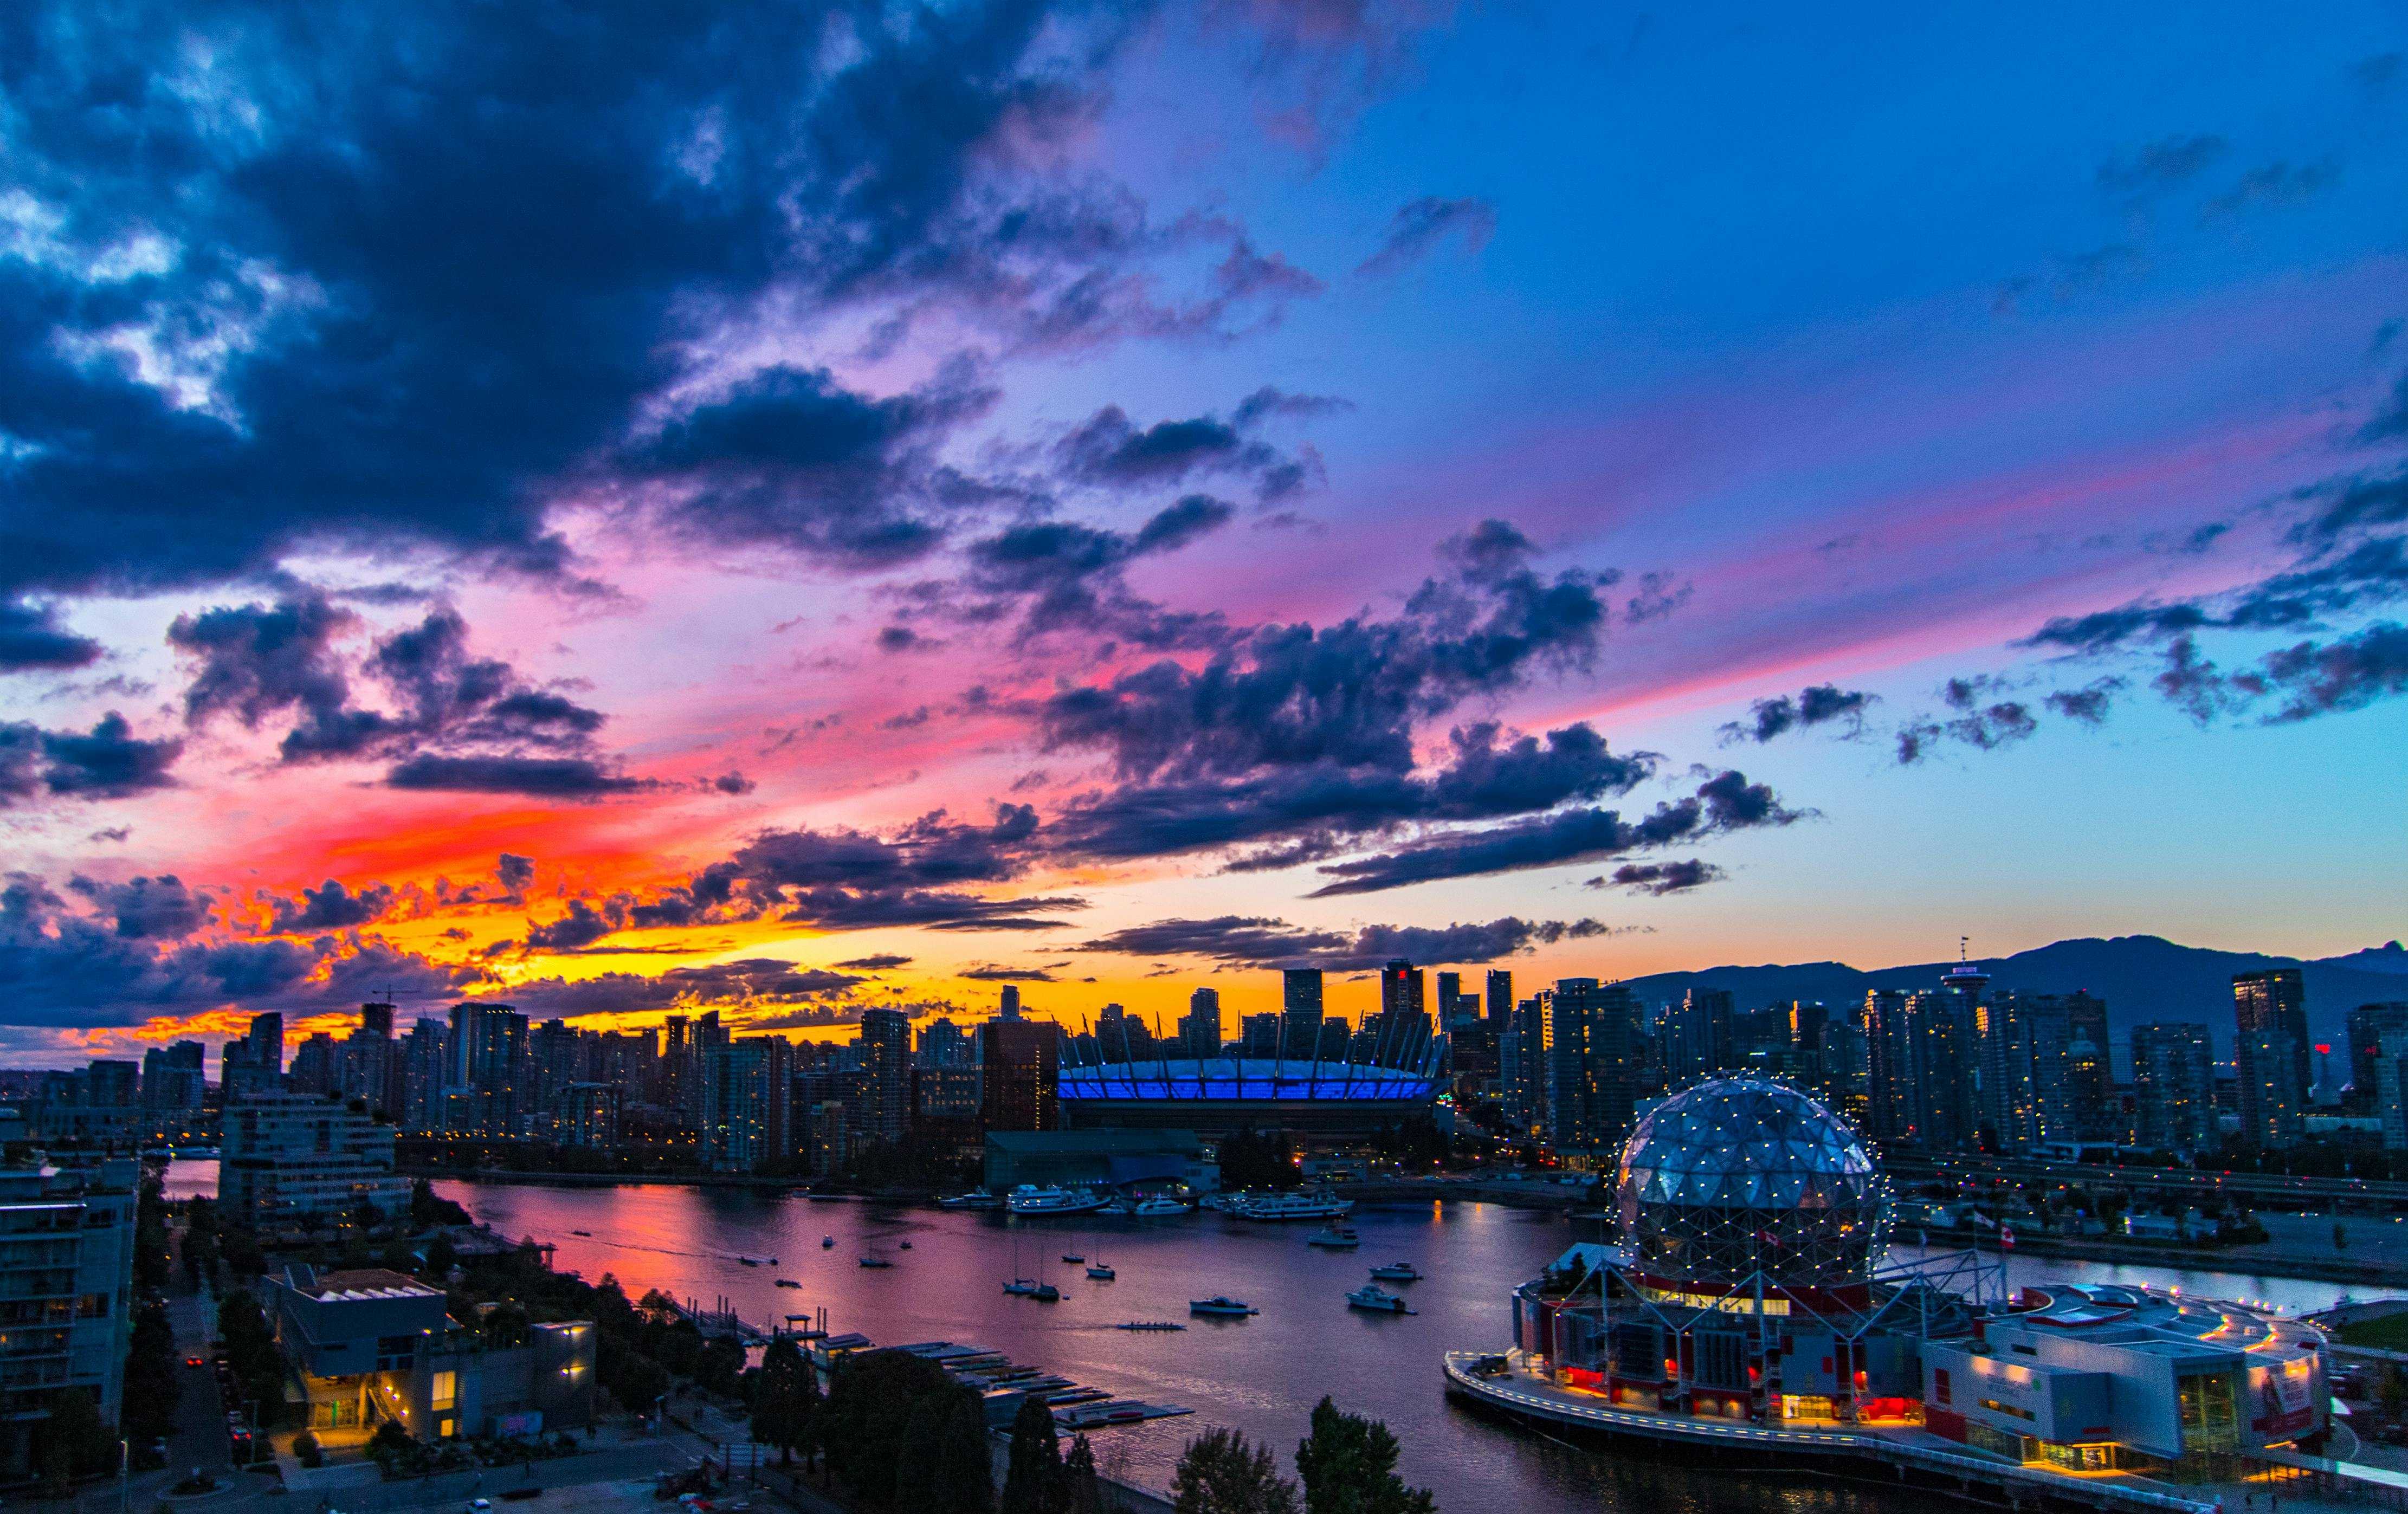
point(783, 508)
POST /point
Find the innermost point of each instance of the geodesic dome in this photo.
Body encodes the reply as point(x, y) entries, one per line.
point(1738, 1175)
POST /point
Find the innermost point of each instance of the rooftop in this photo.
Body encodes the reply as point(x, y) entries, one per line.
point(358, 1283)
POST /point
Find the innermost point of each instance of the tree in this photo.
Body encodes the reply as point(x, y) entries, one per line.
point(916, 1459)
point(75, 1440)
point(305, 1449)
point(863, 1425)
point(965, 1472)
point(1349, 1466)
point(1032, 1478)
point(1082, 1490)
point(783, 1398)
point(1220, 1472)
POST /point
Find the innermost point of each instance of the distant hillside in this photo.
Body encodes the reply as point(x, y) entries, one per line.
point(2142, 978)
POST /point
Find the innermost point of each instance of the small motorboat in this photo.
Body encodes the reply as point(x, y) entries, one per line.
point(1101, 1271)
point(788, 1283)
point(1334, 1239)
point(1222, 1306)
point(902, 1245)
point(827, 1243)
point(587, 1233)
point(1156, 1208)
point(1150, 1324)
point(1398, 1271)
point(1074, 1258)
point(758, 1261)
point(1378, 1300)
point(876, 1262)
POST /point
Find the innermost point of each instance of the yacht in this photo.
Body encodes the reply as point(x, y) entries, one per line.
point(1159, 1207)
point(1101, 1271)
point(1074, 1258)
point(1292, 1207)
point(1029, 1199)
point(1398, 1271)
point(1378, 1300)
point(1334, 1239)
point(975, 1199)
point(1223, 1306)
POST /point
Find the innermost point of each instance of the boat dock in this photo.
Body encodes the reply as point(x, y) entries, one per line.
point(1002, 1383)
point(720, 1322)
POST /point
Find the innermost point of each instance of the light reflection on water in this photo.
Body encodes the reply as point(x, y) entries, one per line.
point(1261, 1374)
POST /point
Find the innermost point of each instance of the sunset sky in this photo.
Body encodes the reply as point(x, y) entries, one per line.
point(830, 505)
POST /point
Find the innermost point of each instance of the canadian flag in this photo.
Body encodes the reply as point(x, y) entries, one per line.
point(2006, 1239)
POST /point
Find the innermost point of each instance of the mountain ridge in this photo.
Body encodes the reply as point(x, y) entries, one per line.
point(2143, 979)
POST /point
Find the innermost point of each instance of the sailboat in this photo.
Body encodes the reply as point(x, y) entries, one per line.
point(1023, 1287)
point(1099, 1270)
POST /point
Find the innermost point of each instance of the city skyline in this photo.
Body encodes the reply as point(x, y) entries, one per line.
point(1203, 491)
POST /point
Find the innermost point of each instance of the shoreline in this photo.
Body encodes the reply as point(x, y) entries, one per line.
point(2180, 1258)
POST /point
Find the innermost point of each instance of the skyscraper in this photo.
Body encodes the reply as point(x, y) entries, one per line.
point(1696, 1036)
point(2366, 1027)
point(1300, 1006)
point(1020, 1062)
point(254, 1065)
point(1500, 996)
point(1522, 1066)
point(1593, 1055)
point(886, 1073)
point(2173, 1087)
point(1199, 1029)
point(746, 1089)
point(1404, 998)
point(942, 1044)
point(1921, 1055)
point(2270, 1054)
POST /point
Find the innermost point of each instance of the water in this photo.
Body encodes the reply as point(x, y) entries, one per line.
point(1262, 1375)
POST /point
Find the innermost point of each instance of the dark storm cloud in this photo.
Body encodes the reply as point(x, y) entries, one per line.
point(538, 777)
point(108, 761)
point(331, 907)
point(767, 981)
point(790, 458)
point(68, 968)
point(1418, 227)
point(1348, 693)
point(31, 638)
point(1109, 450)
point(409, 272)
point(1659, 879)
point(147, 908)
point(1063, 576)
point(2161, 164)
point(1725, 801)
point(1260, 941)
point(514, 871)
point(1817, 705)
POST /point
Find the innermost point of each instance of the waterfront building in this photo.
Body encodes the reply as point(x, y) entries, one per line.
point(886, 1074)
point(1020, 1066)
point(67, 1251)
point(2173, 1087)
point(423, 1059)
point(290, 1156)
point(2270, 1054)
point(946, 1094)
point(1746, 1309)
point(587, 1115)
point(1097, 1159)
point(488, 1092)
point(745, 1083)
point(370, 1345)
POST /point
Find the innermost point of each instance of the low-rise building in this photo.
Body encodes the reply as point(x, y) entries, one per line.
point(66, 1293)
point(372, 1345)
point(288, 1157)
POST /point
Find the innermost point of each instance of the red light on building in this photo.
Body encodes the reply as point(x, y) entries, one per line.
point(2323, 1050)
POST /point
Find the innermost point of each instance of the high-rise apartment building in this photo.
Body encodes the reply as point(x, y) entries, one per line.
point(1300, 1005)
point(886, 1073)
point(2270, 1054)
point(254, 1062)
point(944, 1043)
point(1020, 1068)
point(2365, 1028)
point(1199, 1029)
point(1500, 996)
point(2173, 1087)
point(1258, 1036)
point(66, 1253)
point(1404, 1002)
point(1593, 1062)
point(1921, 1053)
point(746, 1086)
point(1521, 1068)
point(1696, 1036)
point(286, 1156)
point(425, 1066)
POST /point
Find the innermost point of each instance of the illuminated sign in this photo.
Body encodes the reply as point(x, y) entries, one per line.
point(1720, 1303)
